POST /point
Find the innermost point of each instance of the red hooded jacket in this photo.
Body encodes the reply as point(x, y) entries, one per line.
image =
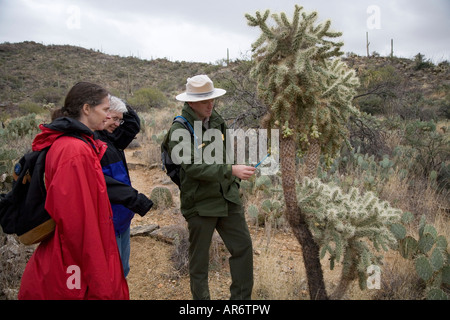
point(81, 260)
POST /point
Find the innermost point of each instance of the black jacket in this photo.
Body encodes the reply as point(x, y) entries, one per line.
point(125, 200)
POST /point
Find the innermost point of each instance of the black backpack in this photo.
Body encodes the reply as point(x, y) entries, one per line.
point(172, 169)
point(22, 210)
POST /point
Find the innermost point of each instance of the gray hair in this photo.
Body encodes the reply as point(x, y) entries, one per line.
point(117, 105)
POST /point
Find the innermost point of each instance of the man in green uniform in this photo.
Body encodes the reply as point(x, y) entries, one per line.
point(209, 193)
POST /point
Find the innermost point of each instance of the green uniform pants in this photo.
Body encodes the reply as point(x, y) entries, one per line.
point(234, 233)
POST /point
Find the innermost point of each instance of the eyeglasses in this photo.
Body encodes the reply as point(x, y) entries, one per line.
point(118, 120)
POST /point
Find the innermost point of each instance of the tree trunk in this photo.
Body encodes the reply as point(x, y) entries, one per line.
point(298, 224)
point(312, 159)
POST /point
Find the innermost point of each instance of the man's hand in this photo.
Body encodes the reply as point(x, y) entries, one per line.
point(241, 171)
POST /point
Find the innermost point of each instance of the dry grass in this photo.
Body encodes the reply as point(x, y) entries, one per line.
point(279, 277)
point(13, 259)
point(399, 280)
point(155, 124)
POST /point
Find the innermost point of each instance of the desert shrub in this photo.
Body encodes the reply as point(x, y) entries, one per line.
point(444, 91)
point(241, 105)
point(48, 95)
point(146, 98)
point(421, 63)
point(16, 139)
point(13, 259)
point(415, 105)
point(11, 81)
point(430, 148)
point(444, 110)
point(378, 86)
point(368, 134)
point(373, 105)
point(31, 107)
point(399, 281)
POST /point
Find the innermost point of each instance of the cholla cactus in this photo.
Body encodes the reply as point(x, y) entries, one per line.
point(309, 92)
point(347, 226)
point(308, 88)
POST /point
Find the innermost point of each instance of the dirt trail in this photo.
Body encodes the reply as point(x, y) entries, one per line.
point(152, 275)
point(278, 265)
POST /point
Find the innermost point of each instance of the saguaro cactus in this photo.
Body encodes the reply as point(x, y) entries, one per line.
point(309, 92)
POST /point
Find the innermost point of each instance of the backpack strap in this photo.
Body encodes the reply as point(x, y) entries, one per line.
point(188, 126)
point(185, 122)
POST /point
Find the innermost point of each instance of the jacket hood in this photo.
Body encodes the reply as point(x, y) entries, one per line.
point(50, 132)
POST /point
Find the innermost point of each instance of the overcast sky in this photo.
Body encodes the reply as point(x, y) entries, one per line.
point(202, 31)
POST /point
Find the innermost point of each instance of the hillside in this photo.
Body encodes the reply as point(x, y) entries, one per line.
point(30, 71)
point(34, 73)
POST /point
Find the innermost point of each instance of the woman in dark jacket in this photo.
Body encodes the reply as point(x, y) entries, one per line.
point(119, 132)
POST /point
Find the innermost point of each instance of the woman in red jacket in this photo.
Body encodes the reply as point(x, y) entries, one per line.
point(80, 260)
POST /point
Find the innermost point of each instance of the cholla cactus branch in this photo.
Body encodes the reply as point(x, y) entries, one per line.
point(345, 225)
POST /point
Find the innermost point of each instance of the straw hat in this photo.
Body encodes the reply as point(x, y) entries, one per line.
point(200, 88)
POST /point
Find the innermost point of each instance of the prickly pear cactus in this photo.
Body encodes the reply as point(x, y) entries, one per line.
point(430, 254)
